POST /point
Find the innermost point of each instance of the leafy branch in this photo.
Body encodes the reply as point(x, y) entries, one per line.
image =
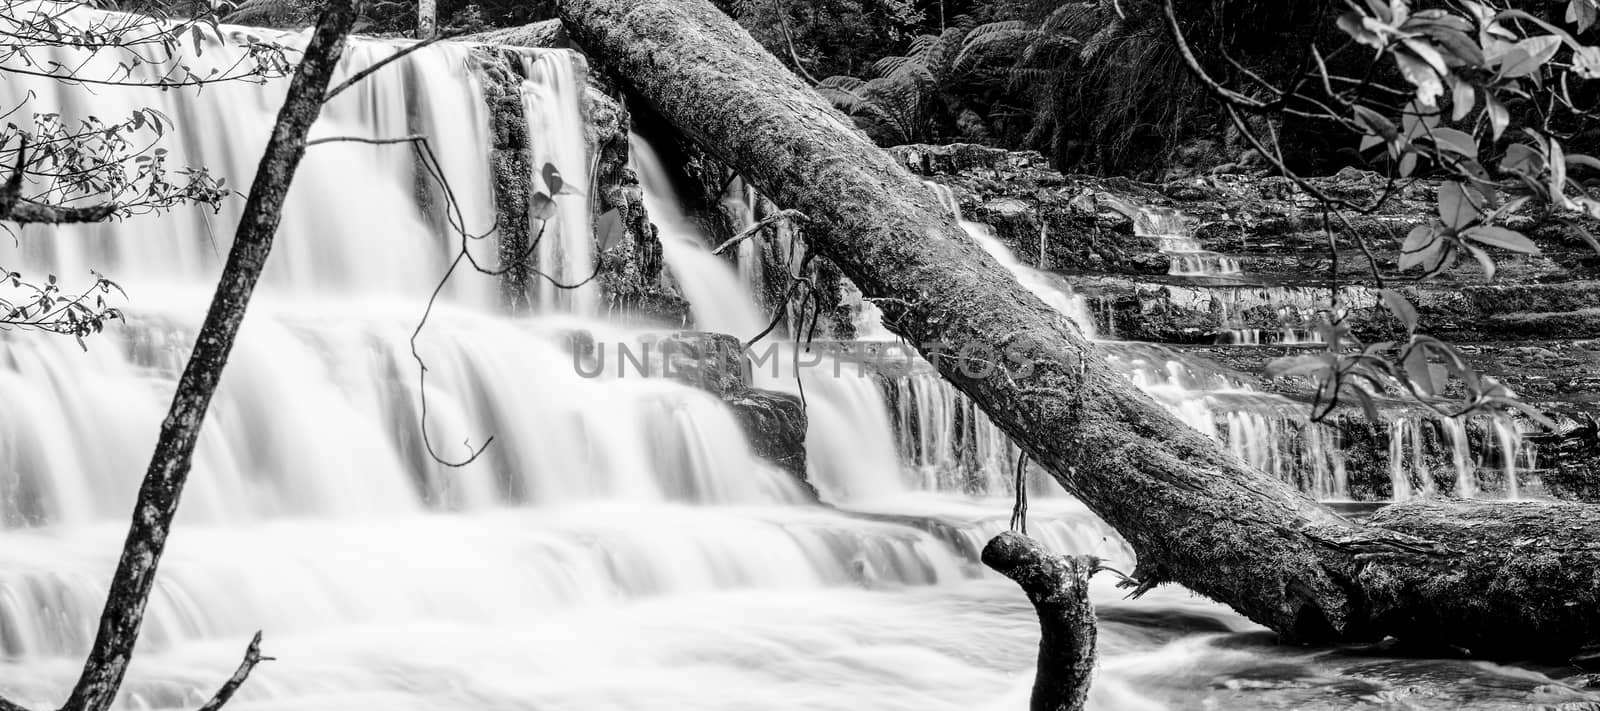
point(1484, 107)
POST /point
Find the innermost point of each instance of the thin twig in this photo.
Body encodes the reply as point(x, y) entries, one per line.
point(252, 657)
point(1019, 509)
point(764, 223)
point(1229, 96)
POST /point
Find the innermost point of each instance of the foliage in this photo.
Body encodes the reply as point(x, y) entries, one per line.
point(1094, 84)
point(828, 37)
point(1487, 102)
point(901, 103)
point(62, 168)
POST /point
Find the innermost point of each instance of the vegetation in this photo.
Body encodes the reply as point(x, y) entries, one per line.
point(65, 168)
point(1487, 99)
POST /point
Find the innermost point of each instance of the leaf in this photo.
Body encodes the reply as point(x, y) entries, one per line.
point(1529, 56)
point(1583, 13)
point(1484, 260)
point(1401, 307)
point(1586, 62)
point(1522, 158)
point(1457, 141)
point(552, 179)
point(1376, 123)
point(1462, 98)
point(1419, 70)
point(1499, 117)
point(1408, 164)
point(541, 207)
point(1417, 371)
point(1588, 237)
point(1457, 43)
point(1455, 209)
point(1502, 238)
point(1351, 23)
point(1416, 242)
point(1558, 177)
point(1383, 12)
point(1580, 159)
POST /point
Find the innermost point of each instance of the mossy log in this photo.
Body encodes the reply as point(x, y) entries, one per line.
point(1528, 585)
point(1058, 587)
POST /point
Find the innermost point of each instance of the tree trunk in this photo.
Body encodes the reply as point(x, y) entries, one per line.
point(427, 19)
point(157, 504)
point(1058, 587)
point(1194, 514)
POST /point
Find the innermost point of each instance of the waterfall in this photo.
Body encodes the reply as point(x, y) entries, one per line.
point(617, 547)
point(315, 511)
point(1174, 237)
point(1267, 431)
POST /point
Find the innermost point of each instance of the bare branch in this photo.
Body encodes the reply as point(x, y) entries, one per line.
point(252, 657)
point(764, 223)
point(1229, 96)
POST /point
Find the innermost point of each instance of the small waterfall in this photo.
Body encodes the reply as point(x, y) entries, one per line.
point(1173, 236)
point(1049, 288)
point(849, 443)
point(1266, 431)
point(551, 97)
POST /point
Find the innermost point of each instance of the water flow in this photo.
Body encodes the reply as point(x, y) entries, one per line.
point(552, 98)
point(1267, 431)
point(1044, 285)
point(1173, 236)
point(617, 548)
point(315, 510)
point(849, 444)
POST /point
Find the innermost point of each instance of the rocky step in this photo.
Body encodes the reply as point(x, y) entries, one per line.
point(1170, 309)
point(1270, 228)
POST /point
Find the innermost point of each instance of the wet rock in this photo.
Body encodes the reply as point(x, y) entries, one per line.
point(775, 423)
point(628, 253)
point(713, 362)
point(952, 158)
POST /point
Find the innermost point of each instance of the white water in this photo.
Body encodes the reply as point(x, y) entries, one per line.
point(617, 547)
point(1173, 235)
point(1267, 431)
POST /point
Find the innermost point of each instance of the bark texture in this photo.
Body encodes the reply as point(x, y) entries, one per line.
point(1194, 514)
point(159, 494)
point(1058, 587)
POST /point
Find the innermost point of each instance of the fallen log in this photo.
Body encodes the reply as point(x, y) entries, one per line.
point(1194, 514)
point(1058, 587)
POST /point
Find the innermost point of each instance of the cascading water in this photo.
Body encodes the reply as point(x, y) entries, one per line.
point(1270, 432)
point(616, 548)
point(1173, 236)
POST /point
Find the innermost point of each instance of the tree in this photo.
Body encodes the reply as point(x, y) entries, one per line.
point(64, 169)
point(1433, 572)
point(157, 504)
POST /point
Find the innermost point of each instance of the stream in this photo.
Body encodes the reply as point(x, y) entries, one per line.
point(619, 545)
